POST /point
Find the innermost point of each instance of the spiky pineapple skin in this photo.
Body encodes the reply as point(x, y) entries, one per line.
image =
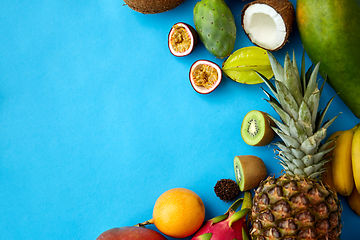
point(291, 208)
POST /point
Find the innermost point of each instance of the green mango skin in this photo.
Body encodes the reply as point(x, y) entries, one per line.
point(330, 33)
point(216, 27)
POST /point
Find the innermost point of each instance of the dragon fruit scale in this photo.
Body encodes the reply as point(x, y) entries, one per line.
point(216, 27)
point(230, 226)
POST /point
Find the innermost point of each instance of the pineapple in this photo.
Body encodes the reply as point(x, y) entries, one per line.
point(297, 205)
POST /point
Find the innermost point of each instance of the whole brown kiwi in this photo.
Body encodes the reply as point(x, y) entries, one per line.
point(153, 6)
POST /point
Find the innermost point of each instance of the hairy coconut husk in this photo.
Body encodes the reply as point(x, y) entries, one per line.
point(153, 6)
point(284, 8)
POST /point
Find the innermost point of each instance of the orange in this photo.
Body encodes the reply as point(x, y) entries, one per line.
point(178, 213)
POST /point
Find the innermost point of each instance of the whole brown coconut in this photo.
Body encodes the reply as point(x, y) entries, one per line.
point(153, 6)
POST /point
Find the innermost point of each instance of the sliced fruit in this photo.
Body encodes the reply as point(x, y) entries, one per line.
point(205, 76)
point(268, 23)
point(249, 171)
point(130, 233)
point(256, 128)
point(242, 64)
point(182, 39)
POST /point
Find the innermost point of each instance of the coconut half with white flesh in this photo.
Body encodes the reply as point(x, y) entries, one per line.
point(268, 23)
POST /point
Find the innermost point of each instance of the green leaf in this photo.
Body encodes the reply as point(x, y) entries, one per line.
point(303, 76)
point(268, 83)
point(205, 236)
point(296, 131)
point(305, 118)
point(219, 218)
point(291, 81)
point(322, 115)
point(280, 125)
point(288, 140)
point(312, 83)
point(278, 70)
point(296, 70)
point(244, 234)
point(238, 215)
point(286, 100)
point(313, 104)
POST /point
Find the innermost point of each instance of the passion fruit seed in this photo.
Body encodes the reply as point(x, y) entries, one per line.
point(180, 39)
point(205, 76)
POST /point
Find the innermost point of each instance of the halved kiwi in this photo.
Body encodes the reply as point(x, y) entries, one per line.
point(256, 128)
point(249, 171)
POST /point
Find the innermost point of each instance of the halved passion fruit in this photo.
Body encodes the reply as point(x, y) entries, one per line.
point(182, 39)
point(205, 76)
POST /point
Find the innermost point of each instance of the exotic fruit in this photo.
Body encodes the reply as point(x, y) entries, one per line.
point(297, 205)
point(241, 65)
point(329, 31)
point(153, 6)
point(232, 225)
point(182, 39)
point(268, 23)
point(205, 76)
point(215, 25)
point(130, 233)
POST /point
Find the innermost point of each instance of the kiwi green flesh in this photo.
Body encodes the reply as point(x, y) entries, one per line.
point(256, 130)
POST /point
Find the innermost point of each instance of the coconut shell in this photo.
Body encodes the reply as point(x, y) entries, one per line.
point(153, 6)
point(283, 7)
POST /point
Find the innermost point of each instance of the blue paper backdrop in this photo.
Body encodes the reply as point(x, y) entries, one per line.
point(97, 118)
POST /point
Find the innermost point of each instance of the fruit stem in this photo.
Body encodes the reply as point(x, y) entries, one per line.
point(148, 222)
point(247, 200)
point(235, 205)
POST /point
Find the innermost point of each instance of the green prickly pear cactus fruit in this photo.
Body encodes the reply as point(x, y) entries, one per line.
point(216, 27)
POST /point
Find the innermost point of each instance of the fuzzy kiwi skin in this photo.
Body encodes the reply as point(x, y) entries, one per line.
point(252, 171)
point(153, 6)
point(269, 133)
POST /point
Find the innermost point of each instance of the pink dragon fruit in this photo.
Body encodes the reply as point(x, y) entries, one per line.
point(230, 226)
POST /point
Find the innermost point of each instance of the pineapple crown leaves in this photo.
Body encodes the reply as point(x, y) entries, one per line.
point(295, 98)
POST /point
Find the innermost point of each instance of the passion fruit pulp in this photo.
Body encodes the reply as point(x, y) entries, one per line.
point(182, 39)
point(205, 76)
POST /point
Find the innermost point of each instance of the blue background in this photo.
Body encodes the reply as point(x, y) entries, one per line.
point(98, 119)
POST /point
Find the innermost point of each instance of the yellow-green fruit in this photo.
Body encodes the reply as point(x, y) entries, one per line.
point(354, 201)
point(329, 31)
point(342, 165)
point(355, 158)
